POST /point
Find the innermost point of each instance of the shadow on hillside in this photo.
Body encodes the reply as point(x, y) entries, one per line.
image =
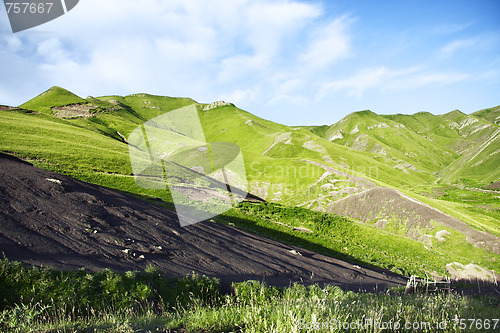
point(478, 287)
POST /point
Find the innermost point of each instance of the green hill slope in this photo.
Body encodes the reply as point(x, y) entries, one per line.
point(492, 114)
point(54, 97)
point(394, 141)
point(479, 152)
point(451, 148)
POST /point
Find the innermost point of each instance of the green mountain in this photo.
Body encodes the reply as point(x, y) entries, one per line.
point(54, 97)
point(450, 148)
point(419, 177)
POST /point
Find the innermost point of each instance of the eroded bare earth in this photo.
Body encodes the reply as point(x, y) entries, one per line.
point(379, 205)
point(53, 220)
point(75, 111)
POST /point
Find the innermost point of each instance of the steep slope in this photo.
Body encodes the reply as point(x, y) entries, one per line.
point(281, 153)
point(52, 220)
point(394, 211)
point(403, 147)
point(448, 153)
point(479, 152)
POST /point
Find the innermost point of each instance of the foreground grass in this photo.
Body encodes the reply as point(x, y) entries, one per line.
point(43, 300)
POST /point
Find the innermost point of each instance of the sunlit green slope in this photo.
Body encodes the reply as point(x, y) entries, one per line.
point(448, 149)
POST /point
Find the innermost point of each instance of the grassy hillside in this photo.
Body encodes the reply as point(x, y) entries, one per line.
point(310, 167)
point(360, 243)
point(479, 154)
point(492, 114)
point(447, 148)
point(318, 130)
point(289, 164)
point(394, 142)
point(67, 147)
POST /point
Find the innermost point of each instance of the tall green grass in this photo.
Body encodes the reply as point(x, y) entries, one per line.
point(148, 302)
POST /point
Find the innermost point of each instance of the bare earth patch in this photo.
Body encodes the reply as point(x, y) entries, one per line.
point(47, 219)
point(12, 108)
point(471, 272)
point(493, 186)
point(75, 111)
point(377, 204)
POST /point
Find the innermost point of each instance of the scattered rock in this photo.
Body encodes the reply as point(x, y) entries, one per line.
point(441, 235)
point(471, 272)
point(76, 111)
point(336, 135)
point(216, 105)
point(46, 230)
point(302, 229)
point(122, 136)
point(56, 181)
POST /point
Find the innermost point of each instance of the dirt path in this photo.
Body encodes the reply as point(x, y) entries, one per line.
point(53, 220)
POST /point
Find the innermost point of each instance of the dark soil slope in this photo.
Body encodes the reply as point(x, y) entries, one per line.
point(369, 205)
point(47, 219)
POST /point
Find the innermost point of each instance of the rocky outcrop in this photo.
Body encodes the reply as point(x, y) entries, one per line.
point(216, 105)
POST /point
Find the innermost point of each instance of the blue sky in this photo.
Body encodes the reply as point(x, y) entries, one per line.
point(293, 62)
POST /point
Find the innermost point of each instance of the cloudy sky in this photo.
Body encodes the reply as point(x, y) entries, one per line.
point(291, 61)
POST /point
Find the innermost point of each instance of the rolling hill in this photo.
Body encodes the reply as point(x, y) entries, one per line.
point(418, 177)
point(448, 148)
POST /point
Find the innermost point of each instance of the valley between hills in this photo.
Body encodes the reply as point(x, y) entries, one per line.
point(407, 194)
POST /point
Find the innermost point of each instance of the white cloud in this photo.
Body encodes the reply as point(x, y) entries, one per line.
point(241, 67)
point(191, 52)
point(241, 97)
point(285, 99)
point(269, 23)
point(51, 51)
point(328, 44)
point(269, 56)
point(288, 89)
point(450, 49)
point(478, 44)
point(451, 28)
point(357, 84)
point(435, 78)
point(387, 80)
point(135, 46)
point(13, 42)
